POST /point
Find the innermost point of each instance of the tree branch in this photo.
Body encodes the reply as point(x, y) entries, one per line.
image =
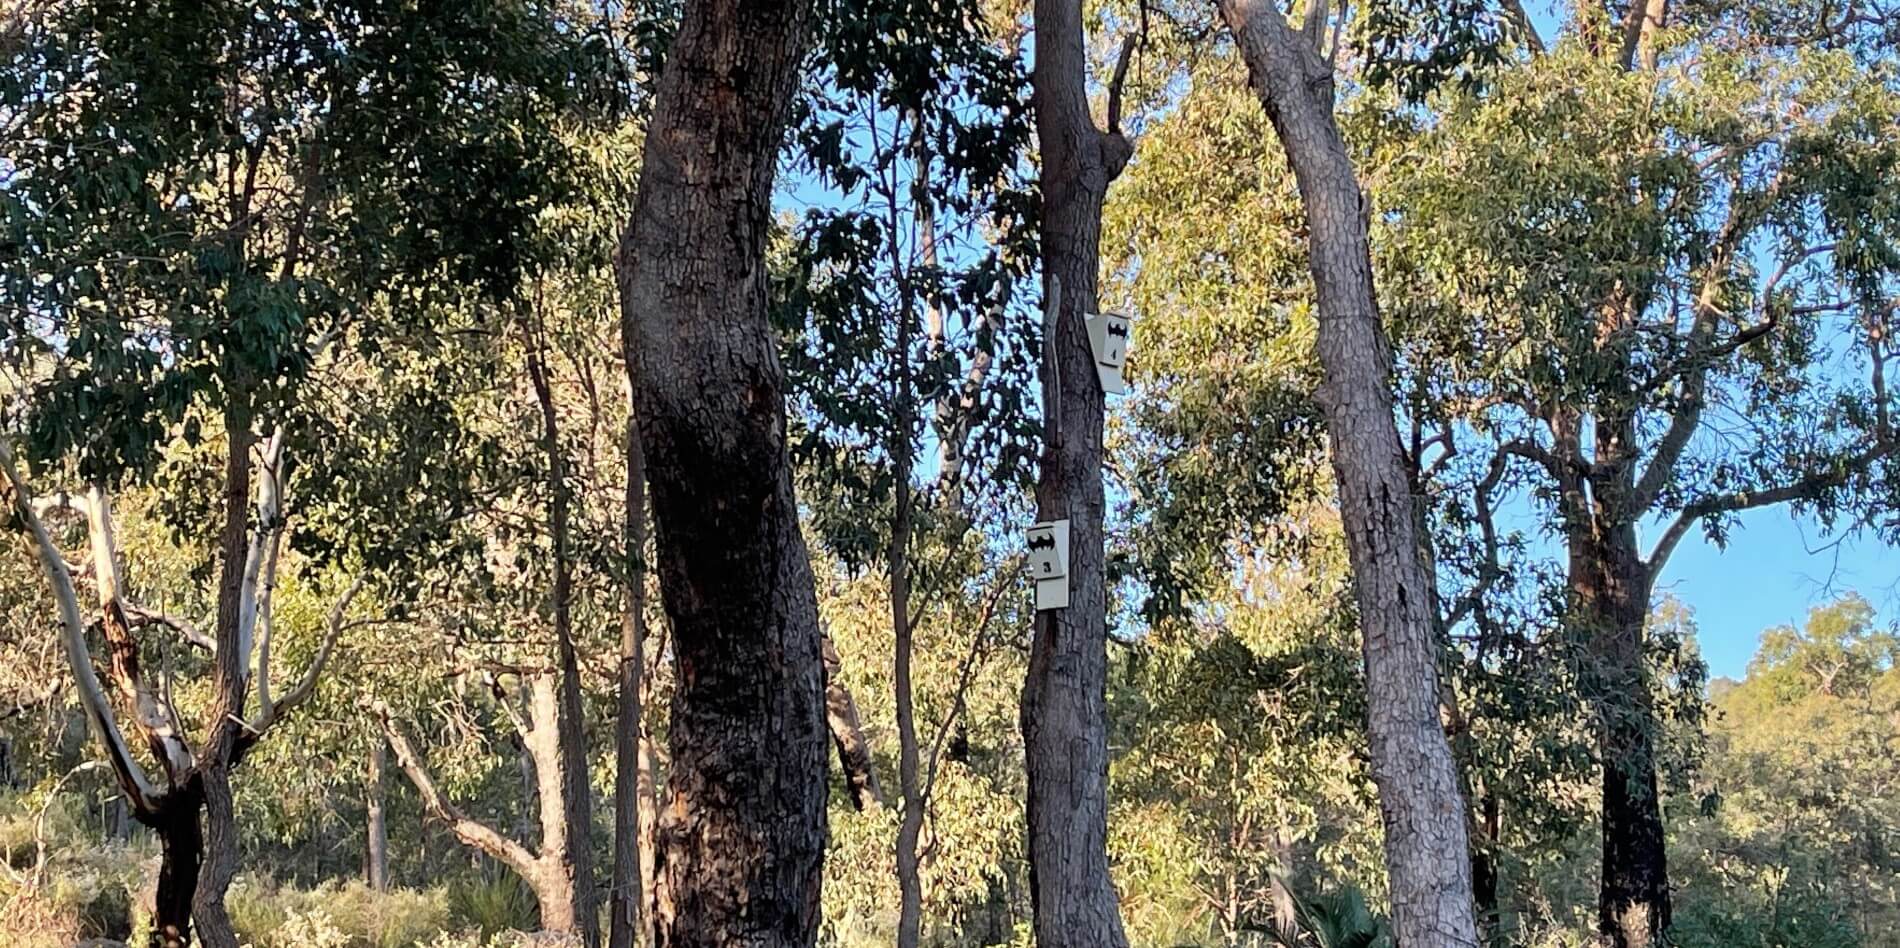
point(1800, 489)
point(1522, 20)
point(193, 636)
point(470, 831)
point(1117, 82)
point(269, 713)
point(132, 779)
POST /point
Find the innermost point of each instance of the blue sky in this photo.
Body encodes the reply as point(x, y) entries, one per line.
point(1775, 566)
point(1774, 570)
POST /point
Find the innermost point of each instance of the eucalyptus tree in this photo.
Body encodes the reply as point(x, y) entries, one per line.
point(743, 837)
point(202, 201)
point(1292, 70)
point(1064, 708)
point(1673, 302)
point(894, 301)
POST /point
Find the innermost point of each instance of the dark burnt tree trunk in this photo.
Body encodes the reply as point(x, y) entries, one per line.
point(181, 852)
point(744, 823)
point(1064, 702)
point(1426, 844)
point(1609, 600)
point(1484, 864)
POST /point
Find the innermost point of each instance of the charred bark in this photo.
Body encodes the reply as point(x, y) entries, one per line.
point(1609, 588)
point(181, 852)
point(744, 827)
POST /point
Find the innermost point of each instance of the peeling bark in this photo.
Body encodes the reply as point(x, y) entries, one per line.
point(854, 749)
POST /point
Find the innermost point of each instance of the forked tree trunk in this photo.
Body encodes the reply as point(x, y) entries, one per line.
point(1064, 713)
point(229, 686)
point(744, 828)
point(1426, 844)
point(548, 873)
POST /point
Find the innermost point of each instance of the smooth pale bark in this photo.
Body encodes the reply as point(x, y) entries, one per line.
point(376, 824)
point(565, 906)
point(191, 811)
point(910, 888)
point(547, 870)
point(1064, 702)
point(744, 825)
point(1426, 844)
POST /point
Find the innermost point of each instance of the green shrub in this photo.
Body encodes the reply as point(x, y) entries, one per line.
point(494, 904)
point(336, 915)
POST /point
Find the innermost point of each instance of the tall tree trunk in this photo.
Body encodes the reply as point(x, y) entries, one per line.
point(229, 686)
point(632, 800)
point(1064, 703)
point(1426, 845)
point(910, 887)
point(566, 905)
point(744, 827)
point(576, 793)
point(1609, 587)
point(376, 827)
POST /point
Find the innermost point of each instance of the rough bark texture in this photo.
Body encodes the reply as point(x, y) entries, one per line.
point(744, 823)
point(632, 795)
point(229, 686)
point(1064, 703)
point(1426, 848)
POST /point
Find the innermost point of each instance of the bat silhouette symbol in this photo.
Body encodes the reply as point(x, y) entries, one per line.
point(1043, 542)
point(1118, 329)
